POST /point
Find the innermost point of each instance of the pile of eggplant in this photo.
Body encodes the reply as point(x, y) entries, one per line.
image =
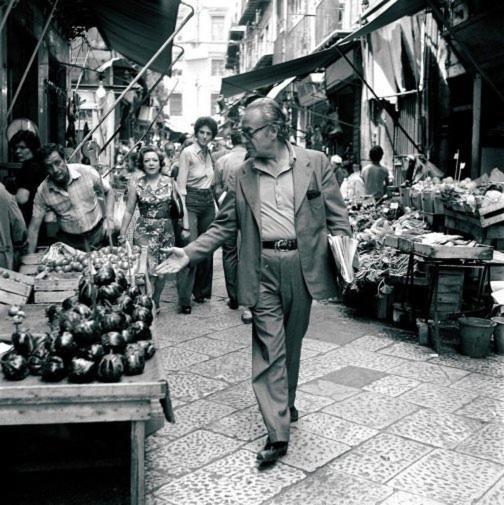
point(101, 333)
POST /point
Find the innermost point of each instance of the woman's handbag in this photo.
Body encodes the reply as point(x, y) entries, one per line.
point(176, 207)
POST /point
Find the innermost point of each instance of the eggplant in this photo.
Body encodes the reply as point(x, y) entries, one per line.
point(68, 320)
point(111, 368)
point(87, 291)
point(52, 313)
point(46, 340)
point(142, 314)
point(122, 280)
point(109, 292)
point(105, 275)
point(134, 291)
point(126, 304)
point(81, 370)
point(70, 302)
point(135, 362)
point(112, 321)
point(128, 336)
point(14, 367)
point(65, 345)
point(94, 352)
point(144, 301)
point(113, 341)
point(37, 359)
point(54, 369)
point(148, 348)
point(82, 309)
point(87, 332)
point(140, 331)
point(23, 343)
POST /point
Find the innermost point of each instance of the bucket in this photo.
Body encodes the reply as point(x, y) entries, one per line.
point(475, 336)
point(499, 334)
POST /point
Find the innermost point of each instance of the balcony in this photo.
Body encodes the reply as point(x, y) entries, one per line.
point(329, 18)
point(250, 10)
point(299, 41)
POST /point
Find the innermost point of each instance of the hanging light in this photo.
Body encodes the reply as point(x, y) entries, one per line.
point(100, 92)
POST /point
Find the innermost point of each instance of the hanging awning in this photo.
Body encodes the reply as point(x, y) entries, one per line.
point(137, 28)
point(276, 90)
point(267, 76)
point(384, 13)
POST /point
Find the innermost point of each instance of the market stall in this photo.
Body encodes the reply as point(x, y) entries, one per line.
point(89, 357)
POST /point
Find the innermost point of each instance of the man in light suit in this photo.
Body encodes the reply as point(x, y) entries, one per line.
point(284, 200)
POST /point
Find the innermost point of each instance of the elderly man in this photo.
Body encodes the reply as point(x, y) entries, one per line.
point(284, 200)
point(72, 192)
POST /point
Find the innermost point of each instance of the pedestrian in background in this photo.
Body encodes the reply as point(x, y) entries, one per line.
point(195, 179)
point(284, 200)
point(375, 175)
point(224, 170)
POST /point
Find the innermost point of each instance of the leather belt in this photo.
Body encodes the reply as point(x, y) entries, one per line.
point(281, 245)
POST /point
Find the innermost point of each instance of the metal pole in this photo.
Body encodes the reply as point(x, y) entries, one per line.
point(146, 95)
point(32, 59)
point(363, 80)
point(6, 15)
point(135, 80)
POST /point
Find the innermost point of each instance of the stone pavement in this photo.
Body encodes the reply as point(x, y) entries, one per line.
point(382, 419)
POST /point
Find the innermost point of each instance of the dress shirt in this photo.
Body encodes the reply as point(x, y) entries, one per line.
point(195, 169)
point(277, 201)
point(77, 207)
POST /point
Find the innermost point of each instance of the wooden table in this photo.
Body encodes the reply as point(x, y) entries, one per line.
point(33, 402)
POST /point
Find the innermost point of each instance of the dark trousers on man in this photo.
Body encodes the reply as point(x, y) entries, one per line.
point(230, 264)
point(281, 319)
point(197, 280)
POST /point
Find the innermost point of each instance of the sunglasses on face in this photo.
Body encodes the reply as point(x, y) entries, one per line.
point(250, 132)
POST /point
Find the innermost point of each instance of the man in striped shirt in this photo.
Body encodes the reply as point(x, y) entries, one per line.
point(73, 192)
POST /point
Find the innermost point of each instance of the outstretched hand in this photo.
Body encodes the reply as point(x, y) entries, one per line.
point(176, 261)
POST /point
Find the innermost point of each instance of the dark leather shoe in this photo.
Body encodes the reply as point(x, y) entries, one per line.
point(199, 299)
point(232, 304)
point(185, 309)
point(272, 452)
point(294, 414)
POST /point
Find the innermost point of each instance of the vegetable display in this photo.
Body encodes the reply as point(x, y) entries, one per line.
point(101, 333)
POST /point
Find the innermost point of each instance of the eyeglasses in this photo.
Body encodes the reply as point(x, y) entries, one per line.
point(249, 133)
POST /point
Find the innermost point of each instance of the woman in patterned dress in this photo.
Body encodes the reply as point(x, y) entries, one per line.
point(153, 193)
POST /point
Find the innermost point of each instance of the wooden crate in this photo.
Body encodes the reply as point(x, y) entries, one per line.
point(453, 252)
point(427, 202)
point(14, 289)
point(492, 214)
point(54, 290)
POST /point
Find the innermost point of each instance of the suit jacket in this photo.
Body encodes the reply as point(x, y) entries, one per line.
point(319, 209)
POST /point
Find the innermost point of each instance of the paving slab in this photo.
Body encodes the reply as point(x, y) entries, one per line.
point(381, 457)
point(354, 376)
point(187, 387)
point(210, 346)
point(239, 396)
point(233, 480)
point(495, 496)
point(486, 409)
point(492, 365)
point(428, 372)
point(452, 478)
point(233, 367)
point(341, 333)
point(482, 384)
point(244, 425)
point(438, 397)
point(440, 429)
point(371, 342)
point(322, 387)
point(190, 452)
point(371, 409)
point(334, 428)
point(351, 355)
point(488, 443)
point(174, 359)
point(391, 385)
point(402, 498)
point(307, 402)
point(318, 345)
point(328, 487)
point(408, 350)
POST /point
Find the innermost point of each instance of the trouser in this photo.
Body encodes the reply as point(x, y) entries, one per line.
point(280, 321)
point(197, 280)
point(230, 264)
point(92, 239)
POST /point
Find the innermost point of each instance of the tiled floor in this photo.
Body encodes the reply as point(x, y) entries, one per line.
point(383, 421)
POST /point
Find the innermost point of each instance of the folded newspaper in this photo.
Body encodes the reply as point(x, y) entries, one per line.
point(344, 250)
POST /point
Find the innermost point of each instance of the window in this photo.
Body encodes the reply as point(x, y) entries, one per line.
point(176, 104)
point(217, 28)
point(214, 106)
point(217, 67)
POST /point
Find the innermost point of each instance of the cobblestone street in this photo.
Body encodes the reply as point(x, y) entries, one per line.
point(382, 419)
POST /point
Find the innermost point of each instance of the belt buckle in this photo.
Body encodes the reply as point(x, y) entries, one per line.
point(282, 245)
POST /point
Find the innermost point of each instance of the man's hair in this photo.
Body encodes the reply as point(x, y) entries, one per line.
point(29, 138)
point(376, 154)
point(236, 138)
point(206, 121)
point(144, 151)
point(273, 114)
point(48, 149)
